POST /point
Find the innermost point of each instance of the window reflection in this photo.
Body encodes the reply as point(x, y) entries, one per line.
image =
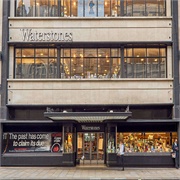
point(90, 63)
point(36, 63)
point(145, 63)
point(89, 8)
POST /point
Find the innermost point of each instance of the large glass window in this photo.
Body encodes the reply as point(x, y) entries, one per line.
point(145, 62)
point(89, 8)
point(148, 141)
point(144, 8)
point(36, 63)
point(77, 63)
point(91, 63)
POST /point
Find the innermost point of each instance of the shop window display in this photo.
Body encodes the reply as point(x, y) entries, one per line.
point(68, 139)
point(111, 140)
point(147, 142)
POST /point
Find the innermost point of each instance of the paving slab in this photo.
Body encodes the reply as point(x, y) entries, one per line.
point(55, 173)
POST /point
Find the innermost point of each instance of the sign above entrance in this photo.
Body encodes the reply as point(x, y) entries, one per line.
point(30, 35)
point(90, 127)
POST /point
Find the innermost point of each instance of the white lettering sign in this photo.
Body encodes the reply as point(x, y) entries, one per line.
point(30, 35)
point(88, 128)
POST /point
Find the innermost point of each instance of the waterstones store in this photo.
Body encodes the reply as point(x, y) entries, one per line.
point(77, 87)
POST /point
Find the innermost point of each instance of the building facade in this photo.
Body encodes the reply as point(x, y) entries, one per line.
point(78, 76)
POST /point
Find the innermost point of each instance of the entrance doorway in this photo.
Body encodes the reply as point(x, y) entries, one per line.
point(90, 148)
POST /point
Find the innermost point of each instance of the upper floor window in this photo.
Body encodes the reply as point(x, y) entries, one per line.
point(78, 63)
point(145, 62)
point(89, 8)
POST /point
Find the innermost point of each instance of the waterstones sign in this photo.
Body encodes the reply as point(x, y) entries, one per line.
point(30, 35)
point(90, 128)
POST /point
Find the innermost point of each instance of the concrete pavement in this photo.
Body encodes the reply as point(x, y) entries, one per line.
point(17, 173)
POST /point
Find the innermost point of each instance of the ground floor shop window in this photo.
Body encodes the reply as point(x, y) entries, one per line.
point(148, 141)
point(30, 142)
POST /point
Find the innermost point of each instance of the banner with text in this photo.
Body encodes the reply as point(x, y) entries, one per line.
point(32, 142)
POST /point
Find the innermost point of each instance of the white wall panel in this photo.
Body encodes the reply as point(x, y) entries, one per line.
point(90, 92)
point(95, 30)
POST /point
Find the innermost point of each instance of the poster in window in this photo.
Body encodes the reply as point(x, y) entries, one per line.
point(91, 8)
point(14, 142)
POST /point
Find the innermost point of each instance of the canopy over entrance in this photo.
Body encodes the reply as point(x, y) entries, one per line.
point(85, 117)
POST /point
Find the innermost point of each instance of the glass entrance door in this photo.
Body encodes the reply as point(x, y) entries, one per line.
point(90, 148)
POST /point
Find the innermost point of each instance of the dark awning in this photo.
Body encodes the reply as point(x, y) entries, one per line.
point(88, 116)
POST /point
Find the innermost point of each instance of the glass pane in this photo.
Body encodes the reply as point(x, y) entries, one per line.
point(128, 52)
point(28, 52)
point(91, 8)
point(87, 145)
point(66, 8)
point(74, 5)
point(76, 53)
point(18, 52)
point(80, 145)
point(41, 68)
point(162, 7)
point(28, 68)
point(80, 8)
point(22, 8)
point(18, 68)
point(153, 67)
point(44, 8)
point(152, 7)
point(114, 8)
point(65, 68)
point(139, 52)
point(32, 8)
point(53, 8)
point(90, 52)
point(41, 52)
point(129, 67)
point(128, 7)
point(52, 52)
point(100, 146)
point(107, 11)
point(115, 53)
point(90, 67)
point(94, 146)
point(65, 53)
point(139, 67)
point(162, 68)
point(52, 68)
point(162, 52)
point(104, 52)
point(116, 67)
point(139, 8)
point(111, 140)
point(104, 68)
point(153, 52)
point(77, 67)
point(118, 8)
point(68, 142)
point(100, 8)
